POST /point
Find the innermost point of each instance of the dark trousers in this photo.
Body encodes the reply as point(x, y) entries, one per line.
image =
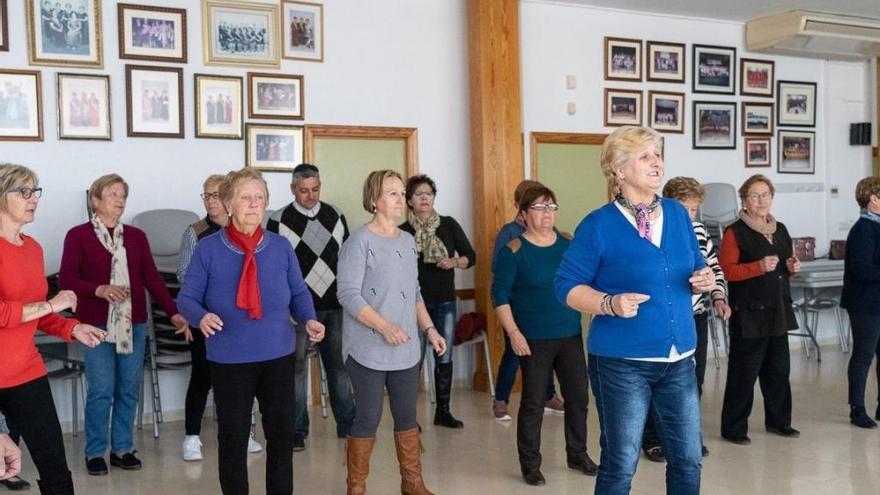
point(566, 357)
point(369, 394)
point(866, 345)
point(507, 374)
point(199, 384)
point(767, 360)
point(235, 386)
point(30, 408)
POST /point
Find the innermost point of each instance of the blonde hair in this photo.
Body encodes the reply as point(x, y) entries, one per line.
point(12, 176)
point(619, 148)
point(744, 189)
point(867, 187)
point(96, 190)
point(236, 177)
point(213, 179)
point(682, 188)
point(373, 187)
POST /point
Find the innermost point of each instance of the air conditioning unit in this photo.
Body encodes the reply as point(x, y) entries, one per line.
point(806, 33)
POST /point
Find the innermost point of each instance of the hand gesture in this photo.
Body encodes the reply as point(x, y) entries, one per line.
point(627, 305)
point(90, 336)
point(519, 344)
point(793, 264)
point(722, 309)
point(702, 280)
point(394, 335)
point(315, 330)
point(65, 299)
point(187, 333)
point(10, 457)
point(112, 293)
point(210, 324)
point(437, 341)
point(768, 263)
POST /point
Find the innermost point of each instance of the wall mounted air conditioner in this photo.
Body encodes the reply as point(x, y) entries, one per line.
point(805, 33)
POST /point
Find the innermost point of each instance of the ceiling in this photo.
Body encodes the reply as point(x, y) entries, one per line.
point(736, 10)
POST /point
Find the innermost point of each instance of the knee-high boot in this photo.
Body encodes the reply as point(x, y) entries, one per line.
point(358, 452)
point(443, 383)
point(409, 453)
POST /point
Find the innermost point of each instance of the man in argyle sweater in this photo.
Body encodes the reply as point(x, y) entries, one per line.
point(317, 230)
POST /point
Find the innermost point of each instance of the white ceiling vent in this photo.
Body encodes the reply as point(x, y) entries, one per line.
point(805, 33)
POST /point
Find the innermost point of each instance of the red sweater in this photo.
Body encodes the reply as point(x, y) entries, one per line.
point(85, 265)
point(23, 281)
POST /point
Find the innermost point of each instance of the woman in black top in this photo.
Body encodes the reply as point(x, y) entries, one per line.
point(443, 247)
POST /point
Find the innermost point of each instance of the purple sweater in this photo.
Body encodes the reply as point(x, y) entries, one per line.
point(211, 285)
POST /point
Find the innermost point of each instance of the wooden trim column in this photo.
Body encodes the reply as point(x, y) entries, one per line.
point(496, 143)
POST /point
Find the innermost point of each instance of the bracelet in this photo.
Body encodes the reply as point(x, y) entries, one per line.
point(611, 306)
point(603, 306)
point(428, 328)
point(51, 308)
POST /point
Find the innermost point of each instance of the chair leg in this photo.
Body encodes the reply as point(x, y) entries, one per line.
point(140, 421)
point(74, 405)
point(323, 383)
point(841, 332)
point(713, 335)
point(488, 359)
point(430, 369)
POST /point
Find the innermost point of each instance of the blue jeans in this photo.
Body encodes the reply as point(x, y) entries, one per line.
point(624, 389)
point(113, 380)
point(507, 374)
point(338, 381)
point(443, 315)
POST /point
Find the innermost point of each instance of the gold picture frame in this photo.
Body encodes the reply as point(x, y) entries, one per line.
point(65, 37)
point(219, 106)
point(240, 34)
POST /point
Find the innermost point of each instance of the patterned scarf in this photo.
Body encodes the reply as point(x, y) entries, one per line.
point(119, 328)
point(870, 215)
point(427, 242)
point(248, 295)
point(766, 227)
point(642, 214)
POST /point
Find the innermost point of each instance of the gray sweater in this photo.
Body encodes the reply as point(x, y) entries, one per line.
point(381, 272)
point(3, 427)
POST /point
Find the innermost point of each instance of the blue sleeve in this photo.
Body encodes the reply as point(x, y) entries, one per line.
point(581, 260)
point(504, 236)
point(302, 305)
point(187, 246)
point(699, 260)
point(505, 274)
point(860, 249)
point(191, 298)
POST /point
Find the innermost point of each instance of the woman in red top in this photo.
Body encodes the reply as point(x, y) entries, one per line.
point(25, 396)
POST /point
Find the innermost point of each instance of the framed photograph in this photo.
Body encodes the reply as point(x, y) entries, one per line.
point(4, 27)
point(757, 118)
point(623, 107)
point(154, 101)
point(151, 33)
point(665, 61)
point(757, 151)
point(275, 96)
point(756, 77)
point(797, 152)
point(714, 69)
point(65, 36)
point(20, 98)
point(219, 106)
point(796, 104)
point(303, 26)
point(273, 148)
point(83, 106)
point(239, 33)
point(714, 125)
point(623, 59)
point(666, 111)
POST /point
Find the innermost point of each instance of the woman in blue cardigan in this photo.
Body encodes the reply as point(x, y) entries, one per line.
point(634, 264)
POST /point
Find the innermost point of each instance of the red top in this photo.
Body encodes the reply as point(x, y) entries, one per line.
point(23, 281)
point(85, 265)
point(734, 271)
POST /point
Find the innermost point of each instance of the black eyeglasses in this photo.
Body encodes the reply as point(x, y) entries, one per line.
point(213, 195)
point(27, 192)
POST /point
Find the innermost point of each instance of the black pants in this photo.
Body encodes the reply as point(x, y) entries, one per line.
point(199, 384)
point(30, 408)
point(866, 344)
point(767, 360)
point(566, 357)
point(235, 386)
point(369, 395)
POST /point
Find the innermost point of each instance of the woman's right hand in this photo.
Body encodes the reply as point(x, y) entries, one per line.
point(519, 344)
point(210, 324)
point(112, 293)
point(65, 299)
point(394, 335)
point(768, 263)
point(627, 305)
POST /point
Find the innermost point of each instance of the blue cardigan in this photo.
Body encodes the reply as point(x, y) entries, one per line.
point(211, 284)
point(608, 255)
point(861, 273)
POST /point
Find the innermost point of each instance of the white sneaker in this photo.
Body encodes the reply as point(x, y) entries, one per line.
point(253, 445)
point(192, 448)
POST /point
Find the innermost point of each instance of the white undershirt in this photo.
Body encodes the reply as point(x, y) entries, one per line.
point(311, 213)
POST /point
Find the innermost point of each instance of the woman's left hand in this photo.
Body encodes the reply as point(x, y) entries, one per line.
point(447, 263)
point(437, 341)
point(722, 309)
point(793, 264)
point(179, 322)
point(88, 335)
point(315, 330)
point(702, 280)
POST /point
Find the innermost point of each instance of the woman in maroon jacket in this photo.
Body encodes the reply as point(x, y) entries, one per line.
point(108, 265)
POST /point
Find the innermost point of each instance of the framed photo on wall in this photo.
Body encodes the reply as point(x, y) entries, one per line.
point(757, 118)
point(239, 33)
point(623, 59)
point(83, 106)
point(796, 104)
point(756, 77)
point(21, 101)
point(797, 152)
point(151, 33)
point(4, 27)
point(666, 61)
point(303, 26)
point(219, 106)
point(64, 33)
point(273, 148)
point(275, 96)
point(666, 111)
point(623, 107)
point(714, 69)
point(154, 101)
point(757, 151)
point(714, 125)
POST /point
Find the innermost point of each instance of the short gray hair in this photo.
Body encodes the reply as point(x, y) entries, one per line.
point(304, 171)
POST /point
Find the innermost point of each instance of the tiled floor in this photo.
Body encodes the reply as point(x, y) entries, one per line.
point(831, 457)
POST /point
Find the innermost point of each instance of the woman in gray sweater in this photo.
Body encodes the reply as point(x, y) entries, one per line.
point(378, 288)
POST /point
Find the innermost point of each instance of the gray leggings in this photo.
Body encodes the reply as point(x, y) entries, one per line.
point(369, 395)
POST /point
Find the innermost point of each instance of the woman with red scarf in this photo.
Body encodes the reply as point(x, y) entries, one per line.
point(241, 288)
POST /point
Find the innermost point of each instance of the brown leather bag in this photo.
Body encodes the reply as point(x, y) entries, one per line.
point(838, 250)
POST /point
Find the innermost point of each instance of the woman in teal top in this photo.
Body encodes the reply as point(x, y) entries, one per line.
point(545, 334)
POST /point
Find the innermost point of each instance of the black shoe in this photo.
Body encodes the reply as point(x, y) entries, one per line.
point(785, 431)
point(655, 453)
point(15, 484)
point(534, 477)
point(704, 451)
point(585, 465)
point(743, 440)
point(859, 417)
point(877, 414)
point(127, 462)
point(299, 442)
point(442, 417)
point(96, 466)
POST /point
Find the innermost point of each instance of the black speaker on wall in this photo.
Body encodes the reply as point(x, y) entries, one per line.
point(860, 134)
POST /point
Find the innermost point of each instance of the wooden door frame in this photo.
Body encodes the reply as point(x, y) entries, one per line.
point(536, 138)
point(410, 136)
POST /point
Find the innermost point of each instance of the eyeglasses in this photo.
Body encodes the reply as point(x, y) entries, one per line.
point(756, 196)
point(27, 192)
point(544, 207)
point(207, 196)
point(423, 194)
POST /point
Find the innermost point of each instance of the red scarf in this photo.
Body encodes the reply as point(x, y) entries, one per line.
point(248, 296)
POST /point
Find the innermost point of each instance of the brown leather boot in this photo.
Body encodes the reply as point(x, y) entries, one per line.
point(409, 453)
point(358, 452)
